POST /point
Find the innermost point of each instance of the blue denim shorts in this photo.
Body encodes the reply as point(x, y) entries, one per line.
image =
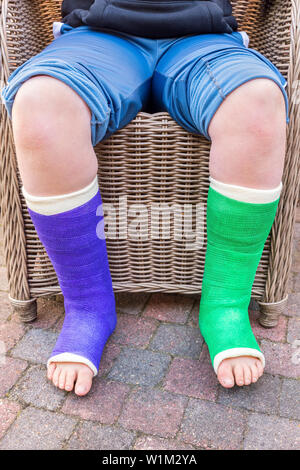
point(118, 74)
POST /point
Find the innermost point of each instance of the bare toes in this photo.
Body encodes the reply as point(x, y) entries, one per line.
point(50, 370)
point(254, 373)
point(247, 375)
point(70, 379)
point(62, 379)
point(259, 368)
point(56, 375)
point(239, 375)
point(225, 375)
point(84, 381)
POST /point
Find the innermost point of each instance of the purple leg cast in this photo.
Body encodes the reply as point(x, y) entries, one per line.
point(79, 258)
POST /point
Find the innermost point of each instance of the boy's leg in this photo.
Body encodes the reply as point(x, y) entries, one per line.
point(62, 102)
point(231, 95)
point(52, 132)
point(248, 136)
point(247, 157)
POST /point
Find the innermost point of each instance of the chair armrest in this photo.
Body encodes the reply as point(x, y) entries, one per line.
point(283, 227)
point(25, 29)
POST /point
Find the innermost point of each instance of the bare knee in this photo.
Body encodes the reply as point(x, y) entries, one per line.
point(45, 110)
point(248, 136)
point(254, 112)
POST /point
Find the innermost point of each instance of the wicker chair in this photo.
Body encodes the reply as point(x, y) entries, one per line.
point(151, 161)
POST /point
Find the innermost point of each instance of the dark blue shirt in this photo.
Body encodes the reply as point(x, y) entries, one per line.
point(152, 19)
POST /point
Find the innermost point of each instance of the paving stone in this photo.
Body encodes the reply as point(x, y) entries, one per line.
point(281, 359)
point(133, 330)
point(253, 305)
point(141, 367)
point(91, 436)
point(193, 319)
point(289, 287)
point(35, 346)
point(11, 332)
point(293, 333)
point(192, 378)
point(103, 403)
point(2, 256)
point(277, 333)
point(10, 372)
point(35, 389)
point(131, 302)
point(36, 429)
point(179, 340)
point(172, 308)
point(48, 312)
point(271, 433)
point(290, 399)
point(5, 307)
point(59, 298)
point(56, 328)
point(8, 413)
point(293, 305)
point(158, 443)
point(110, 352)
point(296, 282)
point(296, 251)
point(3, 279)
point(260, 396)
point(295, 268)
point(153, 412)
point(204, 356)
point(210, 425)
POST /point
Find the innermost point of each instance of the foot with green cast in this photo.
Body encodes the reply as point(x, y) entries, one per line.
point(236, 234)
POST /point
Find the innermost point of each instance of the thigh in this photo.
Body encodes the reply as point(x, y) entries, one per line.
point(108, 71)
point(194, 76)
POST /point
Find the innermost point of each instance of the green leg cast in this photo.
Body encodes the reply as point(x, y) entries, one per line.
point(236, 234)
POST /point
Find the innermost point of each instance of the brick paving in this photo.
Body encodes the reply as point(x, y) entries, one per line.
point(156, 389)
